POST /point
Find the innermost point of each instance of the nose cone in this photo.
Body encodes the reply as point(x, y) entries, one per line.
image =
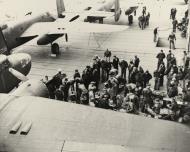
point(20, 62)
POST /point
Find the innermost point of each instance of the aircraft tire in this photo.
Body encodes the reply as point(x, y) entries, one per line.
point(55, 48)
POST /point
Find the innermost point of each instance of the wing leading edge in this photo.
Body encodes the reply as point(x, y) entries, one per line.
point(61, 27)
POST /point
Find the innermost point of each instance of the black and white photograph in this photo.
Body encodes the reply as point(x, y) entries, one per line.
point(94, 76)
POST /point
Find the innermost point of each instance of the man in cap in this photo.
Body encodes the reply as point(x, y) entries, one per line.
point(57, 79)
point(160, 56)
point(172, 39)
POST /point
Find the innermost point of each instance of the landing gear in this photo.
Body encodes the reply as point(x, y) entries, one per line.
point(55, 48)
point(101, 21)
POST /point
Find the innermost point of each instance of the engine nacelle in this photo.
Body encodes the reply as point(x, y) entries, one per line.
point(32, 88)
point(47, 39)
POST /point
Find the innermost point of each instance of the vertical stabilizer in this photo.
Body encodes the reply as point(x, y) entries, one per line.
point(117, 10)
point(3, 44)
point(60, 8)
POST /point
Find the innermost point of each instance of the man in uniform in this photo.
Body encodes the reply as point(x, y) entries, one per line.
point(160, 56)
point(136, 61)
point(174, 23)
point(172, 39)
point(155, 32)
point(115, 62)
point(65, 88)
point(123, 65)
point(57, 79)
point(168, 58)
point(146, 78)
point(107, 55)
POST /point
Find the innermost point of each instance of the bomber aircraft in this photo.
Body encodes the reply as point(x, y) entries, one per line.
point(31, 27)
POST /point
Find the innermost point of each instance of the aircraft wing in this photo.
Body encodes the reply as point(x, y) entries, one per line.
point(102, 14)
point(32, 124)
point(130, 10)
point(61, 27)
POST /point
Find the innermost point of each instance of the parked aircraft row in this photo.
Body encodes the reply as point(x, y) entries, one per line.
point(48, 27)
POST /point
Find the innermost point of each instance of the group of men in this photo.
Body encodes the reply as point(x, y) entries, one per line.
point(121, 86)
point(143, 20)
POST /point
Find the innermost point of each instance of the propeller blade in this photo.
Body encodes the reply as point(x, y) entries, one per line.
point(18, 75)
point(66, 37)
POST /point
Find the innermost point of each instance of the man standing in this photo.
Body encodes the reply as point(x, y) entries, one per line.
point(107, 55)
point(115, 62)
point(123, 65)
point(155, 34)
point(172, 39)
point(146, 78)
point(136, 61)
point(161, 71)
point(160, 56)
point(174, 23)
point(169, 57)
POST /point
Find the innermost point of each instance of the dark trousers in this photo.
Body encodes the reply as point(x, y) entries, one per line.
point(157, 84)
point(172, 44)
point(123, 73)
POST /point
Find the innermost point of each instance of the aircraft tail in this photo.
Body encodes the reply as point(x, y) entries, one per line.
point(60, 8)
point(117, 10)
point(3, 44)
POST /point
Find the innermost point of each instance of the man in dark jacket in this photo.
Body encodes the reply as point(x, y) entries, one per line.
point(146, 78)
point(115, 62)
point(172, 90)
point(136, 61)
point(160, 56)
point(76, 74)
point(65, 88)
point(161, 71)
point(123, 65)
point(169, 57)
point(95, 77)
point(59, 94)
point(172, 39)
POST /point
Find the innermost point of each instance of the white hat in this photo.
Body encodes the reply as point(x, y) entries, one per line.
point(59, 70)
